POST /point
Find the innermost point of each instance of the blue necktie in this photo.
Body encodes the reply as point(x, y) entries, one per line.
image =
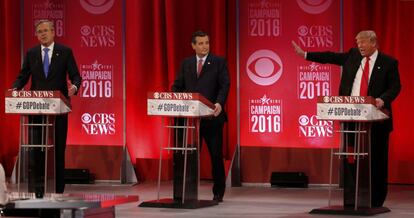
point(46, 61)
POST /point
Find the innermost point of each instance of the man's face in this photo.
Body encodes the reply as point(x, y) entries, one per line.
point(201, 46)
point(365, 46)
point(45, 34)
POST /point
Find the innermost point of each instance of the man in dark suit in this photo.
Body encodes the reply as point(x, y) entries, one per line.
point(48, 65)
point(382, 82)
point(207, 74)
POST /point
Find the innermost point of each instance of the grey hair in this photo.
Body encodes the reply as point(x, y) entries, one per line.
point(51, 25)
point(368, 34)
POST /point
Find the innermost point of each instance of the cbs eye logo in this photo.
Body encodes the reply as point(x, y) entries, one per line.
point(303, 30)
point(314, 6)
point(264, 67)
point(303, 120)
point(86, 118)
point(97, 6)
point(86, 30)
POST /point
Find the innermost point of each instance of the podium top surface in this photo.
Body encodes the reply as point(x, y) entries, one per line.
point(36, 102)
point(179, 104)
point(349, 108)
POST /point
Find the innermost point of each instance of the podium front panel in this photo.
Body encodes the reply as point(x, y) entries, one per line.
point(36, 102)
point(178, 104)
point(178, 108)
point(349, 108)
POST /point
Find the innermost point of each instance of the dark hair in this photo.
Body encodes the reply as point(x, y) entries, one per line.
point(197, 34)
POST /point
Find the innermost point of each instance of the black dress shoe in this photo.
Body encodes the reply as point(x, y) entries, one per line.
point(218, 198)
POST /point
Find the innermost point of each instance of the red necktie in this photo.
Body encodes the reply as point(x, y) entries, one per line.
point(199, 67)
point(363, 90)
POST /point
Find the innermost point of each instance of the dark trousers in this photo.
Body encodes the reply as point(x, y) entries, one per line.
point(37, 155)
point(211, 130)
point(379, 163)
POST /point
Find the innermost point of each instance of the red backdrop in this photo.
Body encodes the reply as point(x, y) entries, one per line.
point(158, 37)
point(278, 97)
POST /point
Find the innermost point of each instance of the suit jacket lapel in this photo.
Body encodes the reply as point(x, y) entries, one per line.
point(193, 68)
point(206, 65)
point(376, 70)
point(355, 66)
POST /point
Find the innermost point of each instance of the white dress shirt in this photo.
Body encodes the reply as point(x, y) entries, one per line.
point(49, 53)
point(198, 59)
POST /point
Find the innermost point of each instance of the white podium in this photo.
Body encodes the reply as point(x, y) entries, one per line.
point(37, 125)
point(356, 114)
point(184, 111)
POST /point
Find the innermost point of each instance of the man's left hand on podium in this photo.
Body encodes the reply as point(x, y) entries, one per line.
point(217, 109)
point(72, 89)
point(379, 103)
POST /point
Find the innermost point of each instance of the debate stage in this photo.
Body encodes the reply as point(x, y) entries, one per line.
point(248, 201)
